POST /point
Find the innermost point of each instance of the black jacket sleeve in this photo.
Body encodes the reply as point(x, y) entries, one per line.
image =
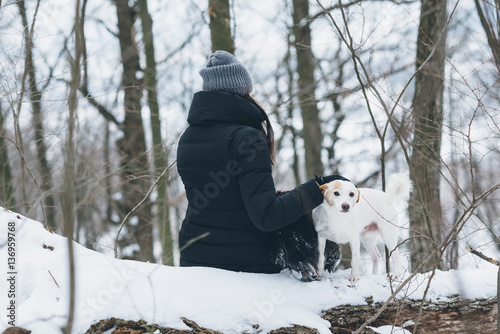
point(267, 211)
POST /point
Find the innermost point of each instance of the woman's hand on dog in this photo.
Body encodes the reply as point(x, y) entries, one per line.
point(320, 180)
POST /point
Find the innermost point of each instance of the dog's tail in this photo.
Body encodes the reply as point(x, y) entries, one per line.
point(399, 187)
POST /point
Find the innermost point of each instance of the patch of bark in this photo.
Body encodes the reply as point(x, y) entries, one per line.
point(295, 329)
point(141, 327)
point(449, 316)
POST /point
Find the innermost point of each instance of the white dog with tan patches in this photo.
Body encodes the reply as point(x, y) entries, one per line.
point(352, 215)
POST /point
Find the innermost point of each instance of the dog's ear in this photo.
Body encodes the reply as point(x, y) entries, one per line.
point(323, 188)
point(359, 195)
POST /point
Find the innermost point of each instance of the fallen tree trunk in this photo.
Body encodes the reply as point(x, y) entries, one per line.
point(453, 315)
point(121, 326)
point(445, 317)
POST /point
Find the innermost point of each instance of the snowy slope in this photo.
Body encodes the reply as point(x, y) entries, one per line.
point(225, 301)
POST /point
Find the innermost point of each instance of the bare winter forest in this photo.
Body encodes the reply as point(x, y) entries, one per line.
point(94, 95)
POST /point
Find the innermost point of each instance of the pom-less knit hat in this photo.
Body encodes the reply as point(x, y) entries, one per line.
point(225, 73)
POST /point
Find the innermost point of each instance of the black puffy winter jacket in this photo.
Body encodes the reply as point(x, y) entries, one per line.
point(224, 163)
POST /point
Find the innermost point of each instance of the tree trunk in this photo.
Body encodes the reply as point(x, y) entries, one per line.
point(107, 169)
point(312, 135)
point(338, 117)
point(425, 211)
point(290, 109)
point(220, 25)
point(132, 146)
point(159, 153)
point(489, 15)
point(69, 165)
point(36, 98)
point(7, 198)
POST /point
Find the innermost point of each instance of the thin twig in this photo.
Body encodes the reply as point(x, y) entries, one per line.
point(482, 256)
point(421, 308)
point(193, 240)
point(369, 82)
point(53, 278)
point(138, 205)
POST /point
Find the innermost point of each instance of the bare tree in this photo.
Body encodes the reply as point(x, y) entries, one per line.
point(425, 210)
point(133, 143)
point(69, 163)
point(220, 25)
point(489, 16)
point(311, 132)
point(159, 152)
point(284, 118)
point(7, 199)
point(46, 183)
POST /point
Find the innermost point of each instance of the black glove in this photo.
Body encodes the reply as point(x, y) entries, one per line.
point(325, 179)
point(333, 255)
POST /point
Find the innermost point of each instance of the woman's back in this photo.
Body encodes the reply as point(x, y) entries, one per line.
point(208, 163)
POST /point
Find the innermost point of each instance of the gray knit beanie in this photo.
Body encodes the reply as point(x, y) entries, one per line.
point(225, 73)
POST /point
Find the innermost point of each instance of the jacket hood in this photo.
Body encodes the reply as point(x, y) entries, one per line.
point(224, 107)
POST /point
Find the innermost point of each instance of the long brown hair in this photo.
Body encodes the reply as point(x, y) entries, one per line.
point(266, 128)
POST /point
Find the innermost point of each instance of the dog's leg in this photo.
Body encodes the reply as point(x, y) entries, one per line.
point(391, 244)
point(321, 258)
point(371, 246)
point(355, 257)
point(389, 236)
point(396, 268)
point(333, 255)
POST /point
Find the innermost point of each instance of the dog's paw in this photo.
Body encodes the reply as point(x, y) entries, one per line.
point(353, 278)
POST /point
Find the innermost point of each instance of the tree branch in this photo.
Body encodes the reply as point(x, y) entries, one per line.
point(482, 256)
point(100, 108)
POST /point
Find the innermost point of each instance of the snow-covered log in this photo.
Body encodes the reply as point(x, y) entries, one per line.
point(454, 315)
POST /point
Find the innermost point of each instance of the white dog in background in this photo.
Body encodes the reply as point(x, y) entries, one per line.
point(351, 215)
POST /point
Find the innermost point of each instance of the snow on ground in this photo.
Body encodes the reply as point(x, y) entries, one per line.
point(225, 301)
